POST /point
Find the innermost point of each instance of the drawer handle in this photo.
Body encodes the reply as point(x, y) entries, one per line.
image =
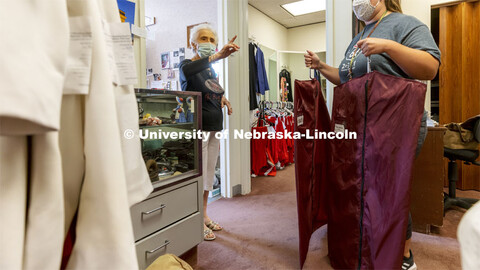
point(154, 210)
point(155, 249)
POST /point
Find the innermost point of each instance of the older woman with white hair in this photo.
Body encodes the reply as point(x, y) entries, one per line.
point(197, 74)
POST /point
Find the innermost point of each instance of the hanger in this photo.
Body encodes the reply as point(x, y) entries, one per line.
point(253, 40)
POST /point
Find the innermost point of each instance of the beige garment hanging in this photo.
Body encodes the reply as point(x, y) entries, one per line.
point(138, 182)
point(104, 234)
point(468, 235)
point(31, 197)
point(13, 200)
point(34, 48)
point(139, 185)
point(45, 210)
point(71, 148)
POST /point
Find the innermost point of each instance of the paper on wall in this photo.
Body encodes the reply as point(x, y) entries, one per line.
point(157, 84)
point(120, 53)
point(174, 85)
point(79, 61)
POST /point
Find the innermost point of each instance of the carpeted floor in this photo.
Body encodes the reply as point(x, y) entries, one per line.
point(261, 232)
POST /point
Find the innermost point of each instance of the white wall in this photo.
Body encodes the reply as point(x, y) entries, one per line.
point(274, 35)
point(173, 17)
point(421, 9)
point(265, 30)
point(312, 37)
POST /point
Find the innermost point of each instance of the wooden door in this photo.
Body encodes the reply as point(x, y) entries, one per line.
point(460, 73)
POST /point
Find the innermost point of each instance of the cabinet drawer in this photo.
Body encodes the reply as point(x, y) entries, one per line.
point(155, 213)
point(176, 239)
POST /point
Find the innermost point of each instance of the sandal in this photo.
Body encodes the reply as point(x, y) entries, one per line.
point(206, 233)
point(212, 225)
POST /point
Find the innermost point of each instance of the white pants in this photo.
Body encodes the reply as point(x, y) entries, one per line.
point(210, 150)
point(469, 237)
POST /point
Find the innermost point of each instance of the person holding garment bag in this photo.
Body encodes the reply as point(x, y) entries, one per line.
point(396, 44)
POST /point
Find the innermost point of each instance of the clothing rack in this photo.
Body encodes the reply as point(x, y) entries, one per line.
point(278, 108)
point(274, 153)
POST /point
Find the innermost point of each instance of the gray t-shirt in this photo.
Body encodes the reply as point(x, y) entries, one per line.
point(404, 29)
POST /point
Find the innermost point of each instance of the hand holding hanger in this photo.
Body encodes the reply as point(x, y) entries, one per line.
point(371, 46)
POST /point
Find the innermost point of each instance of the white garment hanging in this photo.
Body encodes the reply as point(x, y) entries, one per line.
point(139, 185)
point(104, 233)
point(13, 200)
point(90, 144)
point(31, 202)
point(34, 49)
point(469, 237)
point(45, 210)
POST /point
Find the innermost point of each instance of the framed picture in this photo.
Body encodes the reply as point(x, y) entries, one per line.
point(188, 33)
point(165, 60)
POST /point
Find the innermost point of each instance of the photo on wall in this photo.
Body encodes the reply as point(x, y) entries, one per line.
point(171, 74)
point(165, 60)
point(175, 59)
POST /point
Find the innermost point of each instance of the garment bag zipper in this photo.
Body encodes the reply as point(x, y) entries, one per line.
point(363, 177)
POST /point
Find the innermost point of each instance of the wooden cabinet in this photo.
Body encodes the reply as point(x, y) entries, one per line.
point(459, 42)
point(426, 199)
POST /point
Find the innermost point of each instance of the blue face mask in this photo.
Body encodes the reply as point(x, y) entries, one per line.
point(206, 49)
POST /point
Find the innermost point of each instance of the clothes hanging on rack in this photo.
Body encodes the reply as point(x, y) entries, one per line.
point(270, 153)
point(253, 81)
point(69, 157)
point(262, 74)
point(285, 85)
point(31, 89)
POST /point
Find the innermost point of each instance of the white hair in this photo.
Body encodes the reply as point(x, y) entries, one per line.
point(196, 31)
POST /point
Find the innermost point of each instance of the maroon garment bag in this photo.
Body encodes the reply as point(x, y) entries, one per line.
point(311, 161)
point(369, 185)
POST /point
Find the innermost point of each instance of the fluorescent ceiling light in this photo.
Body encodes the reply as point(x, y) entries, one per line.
point(305, 7)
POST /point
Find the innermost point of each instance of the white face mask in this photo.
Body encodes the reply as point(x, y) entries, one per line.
point(363, 9)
